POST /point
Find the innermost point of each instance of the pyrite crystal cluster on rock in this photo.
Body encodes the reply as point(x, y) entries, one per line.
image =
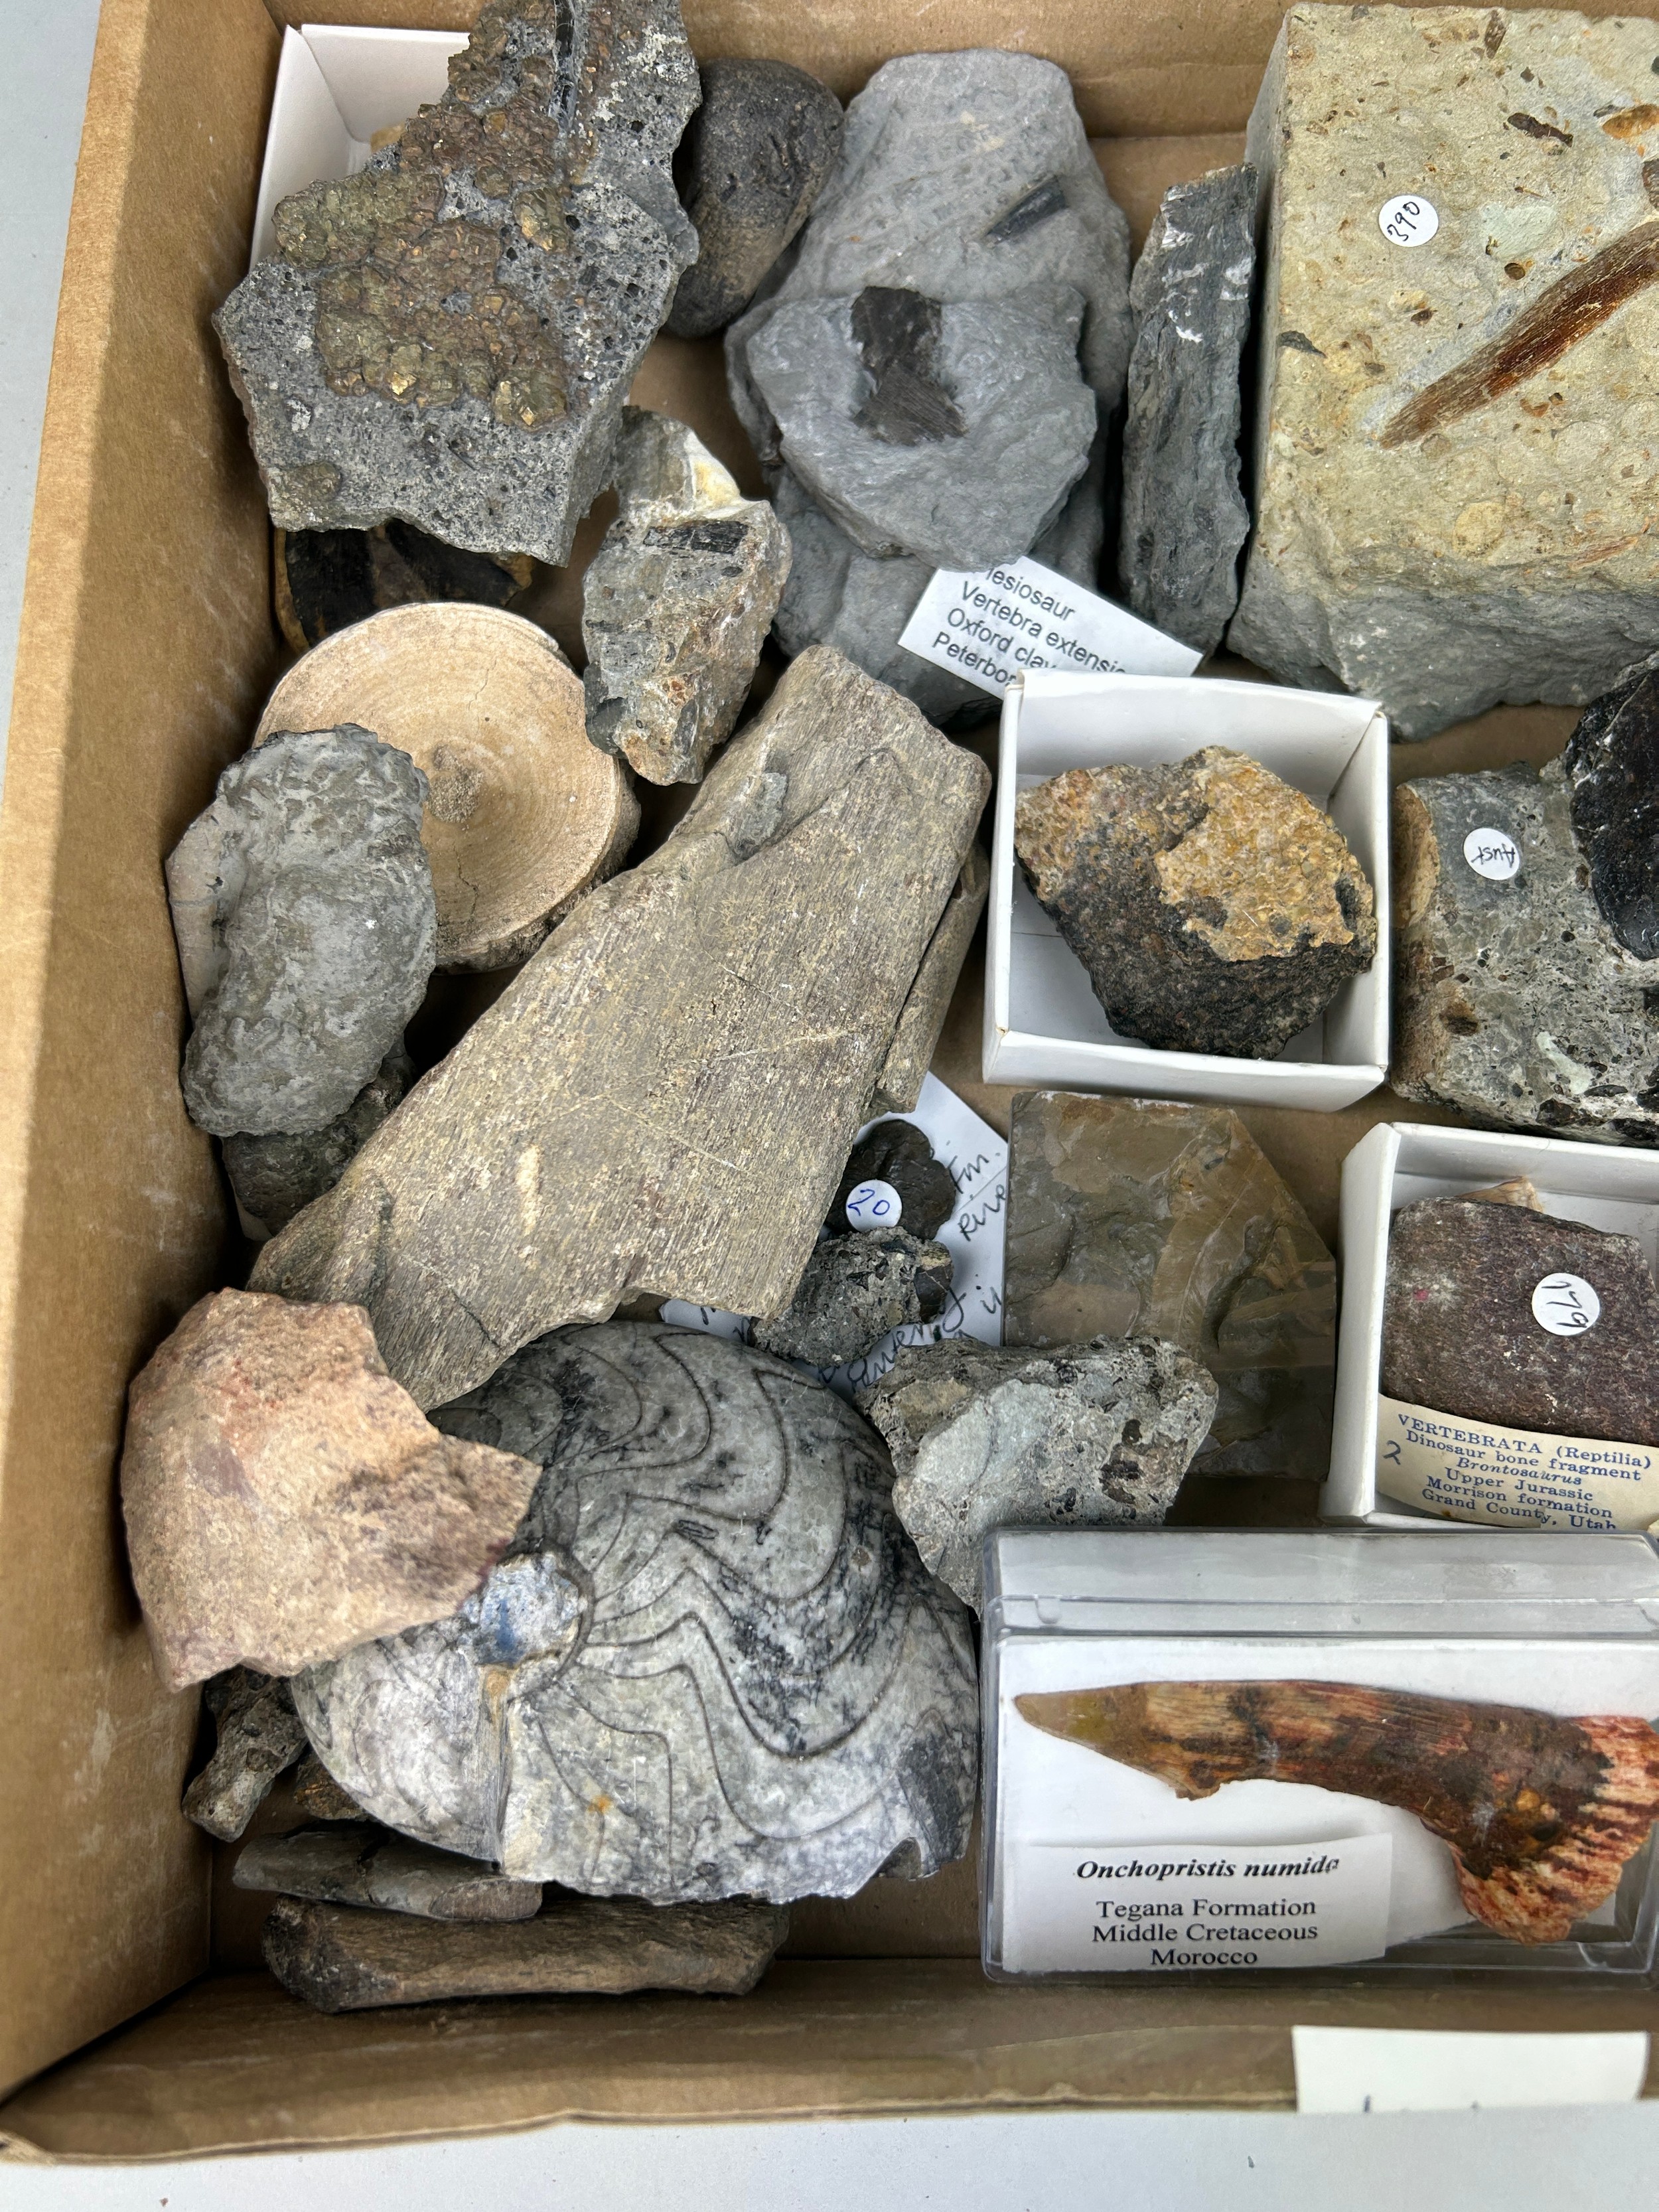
point(1454, 456)
point(1216, 908)
point(1527, 978)
point(710, 1663)
point(448, 336)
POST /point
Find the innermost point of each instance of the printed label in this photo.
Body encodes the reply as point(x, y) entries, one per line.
point(1408, 219)
point(1492, 853)
point(1512, 1478)
point(1566, 1305)
point(874, 1204)
point(1174, 1908)
point(1005, 622)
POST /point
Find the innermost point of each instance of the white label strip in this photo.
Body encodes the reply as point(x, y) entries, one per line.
point(1005, 622)
point(1385, 2069)
point(1175, 1908)
point(1467, 1470)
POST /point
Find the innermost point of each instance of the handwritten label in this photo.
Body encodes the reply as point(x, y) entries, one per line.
point(1408, 219)
point(1181, 1908)
point(1492, 853)
point(1566, 1305)
point(1466, 1470)
point(1005, 622)
point(874, 1204)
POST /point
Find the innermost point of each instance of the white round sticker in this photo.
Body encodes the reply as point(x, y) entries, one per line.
point(1492, 853)
point(874, 1205)
point(1408, 219)
point(1566, 1305)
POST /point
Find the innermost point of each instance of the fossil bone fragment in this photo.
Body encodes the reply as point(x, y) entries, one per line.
point(1542, 1812)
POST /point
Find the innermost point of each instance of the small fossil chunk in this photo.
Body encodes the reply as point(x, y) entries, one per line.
point(326, 580)
point(1542, 1812)
point(259, 1737)
point(857, 1289)
point(899, 1154)
point(1216, 908)
point(367, 1865)
point(275, 1178)
point(318, 1796)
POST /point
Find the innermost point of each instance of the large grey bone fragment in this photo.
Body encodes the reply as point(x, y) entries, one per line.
point(676, 603)
point(341, 1960)
point(965, 445)
point(365, 1865)
point(1085, 1436)
point(963, 176)
point(1184, 518)
point(1516, 1002)
point(664, 1099)
point(1444, 425)
point(755, 157)
point(306, 928)
point(448, 336)
point(920, 1024)
point(259, 1737)
point(711, 1663)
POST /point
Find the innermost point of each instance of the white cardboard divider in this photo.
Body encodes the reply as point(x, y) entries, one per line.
point(336, 85)
point(1044, 1024)
point(1607, 1186)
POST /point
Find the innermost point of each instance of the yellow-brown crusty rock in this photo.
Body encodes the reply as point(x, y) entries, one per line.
point(286, 1500)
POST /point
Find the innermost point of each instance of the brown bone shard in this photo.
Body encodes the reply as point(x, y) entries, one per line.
point(1540, 1812)
point(1565, 312)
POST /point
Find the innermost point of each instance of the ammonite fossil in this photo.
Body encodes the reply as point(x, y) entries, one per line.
point(710, 1663)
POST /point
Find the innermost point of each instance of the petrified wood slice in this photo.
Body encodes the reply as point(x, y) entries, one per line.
point(522, 814)
point(340, 1960)
point(664, 1100)
point(1541, 1814)
point(364, 1865)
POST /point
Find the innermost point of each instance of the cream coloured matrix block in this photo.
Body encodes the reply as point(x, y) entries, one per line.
point(1458, 436)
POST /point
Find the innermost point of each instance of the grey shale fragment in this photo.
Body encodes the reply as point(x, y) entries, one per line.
point(1516, 1002)
point(506, 1196)
point(364, 1865)
point(1085, 1436)
point(448, 336)
point(857, 1288)
point(340, 1960)
point(259, 1738)
point(1184, 517)
point(275, 1176)
point(952, 432)
point(306, 928)
point(676, 603)
point(710, 1664)
point(754, 158)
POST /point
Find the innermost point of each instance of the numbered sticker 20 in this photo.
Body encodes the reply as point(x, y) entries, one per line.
point(1408, 219)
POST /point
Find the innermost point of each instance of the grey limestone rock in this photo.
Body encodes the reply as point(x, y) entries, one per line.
point(362, 1864)
point(259, 1737)
point(676, 603)
point(1184, 517)
point(952, 432)
point(1515, 1000)
point(448, 336)
point(856, 1289)
point(711, 1663)
point(963, 176)
point(1085, 1436)
point(340, 1960)
point(275, 1178)
point(754, 158)
point(303, 908)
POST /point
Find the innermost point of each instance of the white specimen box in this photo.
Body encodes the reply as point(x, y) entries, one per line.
point(1094, 1867)
point(1044, 1024)
point(1607, 1186)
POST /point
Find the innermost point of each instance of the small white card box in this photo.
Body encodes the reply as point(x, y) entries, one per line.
point(1043, 1025)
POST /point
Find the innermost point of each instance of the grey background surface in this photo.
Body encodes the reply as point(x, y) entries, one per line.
point(1032, 2162)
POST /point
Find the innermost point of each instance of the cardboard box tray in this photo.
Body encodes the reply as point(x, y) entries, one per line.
point(146, 647)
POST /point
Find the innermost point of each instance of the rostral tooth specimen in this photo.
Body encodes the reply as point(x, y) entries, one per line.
point(1540, 1812)
point(448, 336)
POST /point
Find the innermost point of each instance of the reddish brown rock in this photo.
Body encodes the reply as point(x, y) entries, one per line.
point(285, 1500)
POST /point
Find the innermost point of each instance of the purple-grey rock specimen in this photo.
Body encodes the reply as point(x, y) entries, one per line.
point(1462, 1332)
point(856, 1289)
point(754, 158)
point(448, 336)
point(362, 1864)
point(259, 1737)
point(1215, 908)
point(709, 1665)
point(1184, 517)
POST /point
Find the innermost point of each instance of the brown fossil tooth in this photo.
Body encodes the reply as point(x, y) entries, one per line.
point(1540, 1812)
